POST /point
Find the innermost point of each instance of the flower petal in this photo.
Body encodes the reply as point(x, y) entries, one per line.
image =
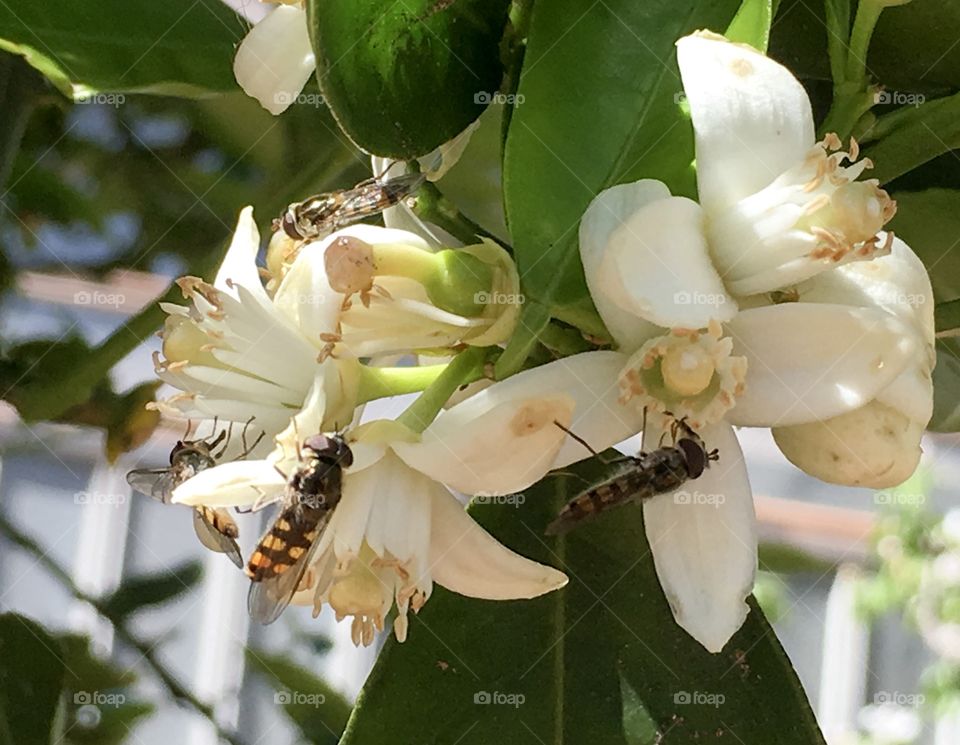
point(503, 450)
point(605, 214)
point(807, 362)
point(751, 117)
point(237, 484)
point(305, 295)
point(239, 266)
point(704, 543)
point(656, 265)
point(275, 59)
point(466, 559)
point(875, 446)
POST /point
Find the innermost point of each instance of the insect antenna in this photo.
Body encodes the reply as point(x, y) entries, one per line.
point(186, 434)
point(598, 456)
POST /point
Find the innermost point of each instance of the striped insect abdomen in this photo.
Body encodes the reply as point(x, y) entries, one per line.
point(289, 538)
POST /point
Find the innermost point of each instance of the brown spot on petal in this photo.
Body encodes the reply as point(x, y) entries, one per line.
point(741, 67)
point(350, 265)
point(534, 416)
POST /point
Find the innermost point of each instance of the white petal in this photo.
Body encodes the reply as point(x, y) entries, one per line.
point(606, 213)
point(502, 451)
point(275, 59)
point(466, 559)
point(704, 543)
point(874, 446)
point(400, 511)
point(814, 361)
point(236, 484)
point(305, 296)
point(751, 117)
point(239, 266)
point(657, 266)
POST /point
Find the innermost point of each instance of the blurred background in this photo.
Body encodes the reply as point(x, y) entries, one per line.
point(103, 204)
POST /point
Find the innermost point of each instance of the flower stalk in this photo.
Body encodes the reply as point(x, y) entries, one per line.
point(466, 367)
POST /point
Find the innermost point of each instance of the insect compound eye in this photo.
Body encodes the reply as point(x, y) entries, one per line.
point(695, 456)
point(289, 224)
point(344, 455)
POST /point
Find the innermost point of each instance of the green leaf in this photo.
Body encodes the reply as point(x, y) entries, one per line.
point(32, 672)
point(751, 24)
point(112, 726)
point(929, 221)
point(151, 589)
point(946, 387)
point(175, 47)
point(404, 78)
point(932, 129)
point(466, 664)
point(89, 672)
point(589, 121)
point(318, 711)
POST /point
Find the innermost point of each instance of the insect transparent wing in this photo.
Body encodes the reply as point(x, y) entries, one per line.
point(214, 540)
point(268, 598)
point(158, 483)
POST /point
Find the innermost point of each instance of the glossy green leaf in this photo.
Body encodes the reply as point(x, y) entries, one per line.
point(751, 24)
point(946, 387)
point(157, 588)
point(175, 47)
point(913, 48)
point(585, 121)
point(922, 134)
point(403, 78)
point(318, 710)
point(929, 221)
point(32, 673)
point(571, 667)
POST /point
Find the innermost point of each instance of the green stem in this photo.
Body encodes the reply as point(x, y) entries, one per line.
point(868, 13)
point(533, 320)
point(431, 206)
point(176, 689)
point(466, 367)
point(382, 382)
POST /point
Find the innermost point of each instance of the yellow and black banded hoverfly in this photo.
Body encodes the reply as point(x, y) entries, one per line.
point(280, 561)
point(322, 214)
point(638, 477)
point(215, 528)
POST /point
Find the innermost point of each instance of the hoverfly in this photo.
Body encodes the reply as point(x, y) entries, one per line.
point(214, 527)
point(281, 558)
point(639, 477)
point(324, 213)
